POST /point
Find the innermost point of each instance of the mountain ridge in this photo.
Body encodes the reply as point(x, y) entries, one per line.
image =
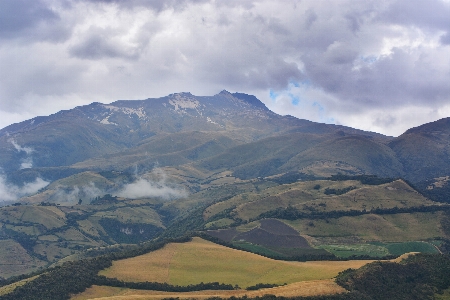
point(200, 131)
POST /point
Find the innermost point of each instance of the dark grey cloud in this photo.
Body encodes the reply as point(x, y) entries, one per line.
point(98, 46)
point(30, 20)
point(428, 13)
point(310, 18)
point(393, 80)
point(17, 15)
point(445, 38)
point(158, 5)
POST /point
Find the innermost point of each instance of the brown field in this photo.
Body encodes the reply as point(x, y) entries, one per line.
point(270, 233)
point(277, 227)
point(305, 288)
point(203, 261)
point(274, 233)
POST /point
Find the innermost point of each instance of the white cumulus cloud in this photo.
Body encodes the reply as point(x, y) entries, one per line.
point(154, 185)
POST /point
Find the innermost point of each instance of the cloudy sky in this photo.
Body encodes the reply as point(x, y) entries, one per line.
point(381, 65)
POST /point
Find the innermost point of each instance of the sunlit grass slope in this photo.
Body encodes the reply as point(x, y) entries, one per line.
point(303, 288)
point(203, 261)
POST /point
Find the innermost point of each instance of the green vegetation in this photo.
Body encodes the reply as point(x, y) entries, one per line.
point(329, 191)
point(417, 277)
point(258, 249)
point(346, 251)
point(378, 249)
point(400, 248)
point(261, 286)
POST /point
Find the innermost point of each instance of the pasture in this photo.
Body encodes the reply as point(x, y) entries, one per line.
point(304, 288)
point(202, 261)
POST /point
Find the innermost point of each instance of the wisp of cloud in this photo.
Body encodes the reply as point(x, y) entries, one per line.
point(27, 162)
point(146, 188)
point(66, 194)
point(11, 192)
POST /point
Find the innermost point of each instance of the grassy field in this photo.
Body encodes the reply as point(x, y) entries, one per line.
point(203, 261)
point(252, 195)
point(47, 216)
point(359, 249)
point(144, 214)
point(400, 248)
point(304, 288)
point(370, 227)
point(14, 259)
point(220, 223)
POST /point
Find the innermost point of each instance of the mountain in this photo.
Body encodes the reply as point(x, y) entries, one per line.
point(88, 182)
point(168, 131)
point(192, 136)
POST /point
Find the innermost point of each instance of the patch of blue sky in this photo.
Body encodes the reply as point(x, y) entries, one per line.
point(369, 59)
point(295, 100)
point(319, 106)
point(298, 94)
point(273, 95)
point(303, 84)
point(294, 83)
point(322, 114)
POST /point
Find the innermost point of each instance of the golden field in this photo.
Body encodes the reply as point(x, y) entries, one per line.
point(203, 261)
point(304, 288)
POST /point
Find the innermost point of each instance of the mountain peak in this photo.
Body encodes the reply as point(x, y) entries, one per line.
point(250, 99)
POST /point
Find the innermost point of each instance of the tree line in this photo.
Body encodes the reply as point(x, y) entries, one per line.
point(292, 213)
